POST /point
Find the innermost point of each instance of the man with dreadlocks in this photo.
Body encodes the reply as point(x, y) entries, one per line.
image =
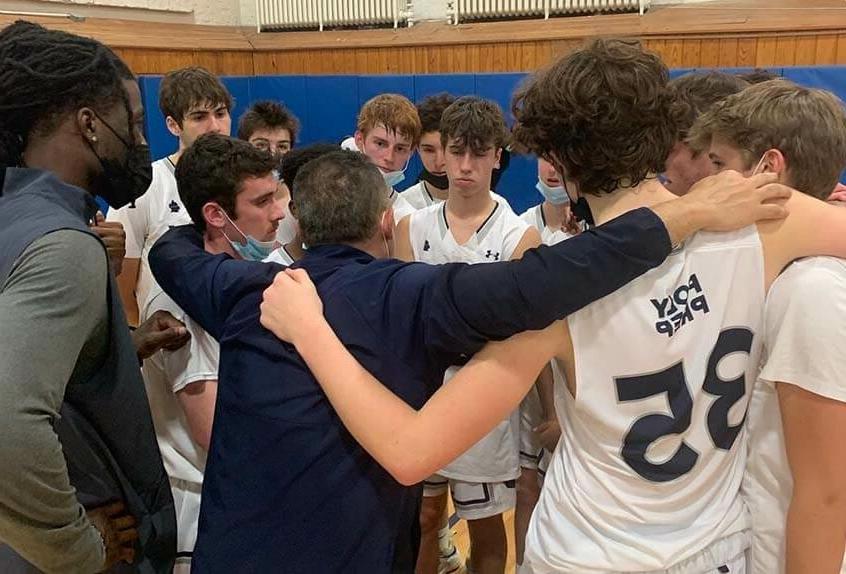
point(82, 487)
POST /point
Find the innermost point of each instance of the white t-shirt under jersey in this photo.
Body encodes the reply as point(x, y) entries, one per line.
point(495, 458)
point(165, 374)
point(805, 329)
point(281, 256)
point(534, 216)
point(648, 470)
point(154, 213)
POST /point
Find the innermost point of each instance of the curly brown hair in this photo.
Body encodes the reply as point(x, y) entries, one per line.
point(604, 113)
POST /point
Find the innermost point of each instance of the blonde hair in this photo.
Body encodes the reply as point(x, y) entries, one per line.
point(807, 125)
point(393, 111)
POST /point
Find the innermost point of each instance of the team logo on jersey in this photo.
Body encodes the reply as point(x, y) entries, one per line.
point(426, 246)
point(174, 207)
point(492, 255)
point(679, 308)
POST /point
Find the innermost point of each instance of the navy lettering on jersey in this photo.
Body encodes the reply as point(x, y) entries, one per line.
point(678, 309)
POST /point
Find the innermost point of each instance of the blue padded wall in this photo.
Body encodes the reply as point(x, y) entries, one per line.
point(327, 107)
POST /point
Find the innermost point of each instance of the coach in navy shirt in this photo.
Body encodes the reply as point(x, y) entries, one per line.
point(287, 488)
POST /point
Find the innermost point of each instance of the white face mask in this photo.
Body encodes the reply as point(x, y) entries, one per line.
point(287, 229)
point(392, 178)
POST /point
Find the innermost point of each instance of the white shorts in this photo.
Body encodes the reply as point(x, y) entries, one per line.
point(474, 500)
point(186, 502)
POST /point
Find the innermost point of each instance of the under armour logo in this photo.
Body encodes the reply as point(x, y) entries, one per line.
point(174, 207)
point(491, 255)
point(426, 245)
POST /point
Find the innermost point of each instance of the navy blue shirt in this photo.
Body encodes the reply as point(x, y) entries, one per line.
point(286, 487)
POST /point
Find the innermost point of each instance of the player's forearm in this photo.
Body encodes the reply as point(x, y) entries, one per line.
point(816, 533)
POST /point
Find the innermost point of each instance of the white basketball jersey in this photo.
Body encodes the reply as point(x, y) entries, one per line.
point(534, 217)
point(419, 197)
point(648, 472)
point(495, 458)
point(495, 240)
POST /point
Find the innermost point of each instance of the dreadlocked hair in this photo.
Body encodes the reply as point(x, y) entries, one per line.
point(46, 73)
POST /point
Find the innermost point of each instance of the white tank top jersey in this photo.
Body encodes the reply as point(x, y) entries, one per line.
point(495, 458)
point(165, 374)
point(805, 316)
point(648, 471)
point(419, 197)
point(154, 213)
point(534, 217)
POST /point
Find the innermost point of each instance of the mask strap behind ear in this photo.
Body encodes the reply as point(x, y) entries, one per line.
point(760, 163)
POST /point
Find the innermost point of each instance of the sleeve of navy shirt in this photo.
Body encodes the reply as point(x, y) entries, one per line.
point(204, 285)
point(467, 305)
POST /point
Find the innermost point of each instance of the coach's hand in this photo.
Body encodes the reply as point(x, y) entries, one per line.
point(117, 529)
point(291, 307)
point(732, 201)
point(724, 202)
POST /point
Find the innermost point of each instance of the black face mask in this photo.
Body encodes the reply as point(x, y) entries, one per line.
point(581, 210)
point(438, 181)
point(122, 183)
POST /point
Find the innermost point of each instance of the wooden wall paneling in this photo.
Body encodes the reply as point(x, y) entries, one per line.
point(434, 60)
point(785, 54)
point(709, 54)
point(691, 53)
point(448, 60)
point(421, 60)
point(673, 53)
point(474, 56)
point(841, 49)
point(747, 52)
point(500, 61)
point(543, 54)
point(766, 54)
point(805, 51)
point(513, 56)
point(487, 56)
point(405, 59)
point(728, 52)
point(459, 59)
point(826, 50)
point(659, 47)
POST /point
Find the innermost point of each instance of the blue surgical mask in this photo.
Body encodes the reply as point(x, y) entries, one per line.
point(392, 178)
point(554, 195)
point(253, 249)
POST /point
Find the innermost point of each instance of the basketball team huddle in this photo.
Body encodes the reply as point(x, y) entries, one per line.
point(644, 367)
